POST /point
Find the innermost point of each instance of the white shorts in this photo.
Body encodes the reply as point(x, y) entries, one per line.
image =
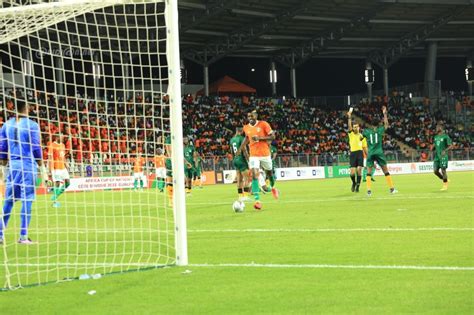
point(60, 175)
point(264, 162)
point(161, 172)
point(139, 176)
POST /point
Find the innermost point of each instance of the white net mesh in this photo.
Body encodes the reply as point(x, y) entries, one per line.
point(95, 77)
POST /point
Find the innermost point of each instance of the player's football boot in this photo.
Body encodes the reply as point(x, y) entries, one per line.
point(393, 191)
point(26, 241)
point(445, 187)
point(357, 188)
point(257, 205)
point(275, 193)
point(369, 193)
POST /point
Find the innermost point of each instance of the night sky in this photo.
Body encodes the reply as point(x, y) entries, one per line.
point(321, 77)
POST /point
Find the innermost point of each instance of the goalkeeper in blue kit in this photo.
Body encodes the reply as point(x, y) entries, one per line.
point(20, 149)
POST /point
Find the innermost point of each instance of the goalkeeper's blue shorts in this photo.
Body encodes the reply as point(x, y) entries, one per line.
point(20, 182)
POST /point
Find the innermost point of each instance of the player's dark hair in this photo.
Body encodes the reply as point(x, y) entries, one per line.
point(20, 105)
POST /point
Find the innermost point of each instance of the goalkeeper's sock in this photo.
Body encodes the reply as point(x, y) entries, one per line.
point(353, 178)
point(369, 182)
point(389, 181)
point(358, 178)
point(25, 217)
point(240, 192)
point(255, 189)
point(7, 210)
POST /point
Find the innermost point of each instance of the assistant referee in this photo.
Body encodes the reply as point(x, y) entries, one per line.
point(357, 156)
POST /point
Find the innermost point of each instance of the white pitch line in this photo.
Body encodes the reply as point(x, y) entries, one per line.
point(335, 199)
point(329, 266)
point(250, 265)
point(330, 230)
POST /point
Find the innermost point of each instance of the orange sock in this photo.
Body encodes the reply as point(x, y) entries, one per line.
point(389, 181)
point(369, 182)
point(169, 189)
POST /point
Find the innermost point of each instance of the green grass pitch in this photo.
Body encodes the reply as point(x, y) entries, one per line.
point(319, 249)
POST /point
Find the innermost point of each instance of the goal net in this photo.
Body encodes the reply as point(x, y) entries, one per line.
point(101, 79)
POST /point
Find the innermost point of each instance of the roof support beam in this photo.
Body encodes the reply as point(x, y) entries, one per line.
point(388, 56)
point(213, 8)
point(451, 2)
point(314, 46)
point(237, 39)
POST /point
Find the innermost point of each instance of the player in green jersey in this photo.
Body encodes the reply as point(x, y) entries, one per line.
point(441, 144)
point(189, 163)
point(374, 138)
point(274, 153)
point(240, 164)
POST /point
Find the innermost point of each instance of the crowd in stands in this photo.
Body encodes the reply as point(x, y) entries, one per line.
point(415, 123)
point(117, 129)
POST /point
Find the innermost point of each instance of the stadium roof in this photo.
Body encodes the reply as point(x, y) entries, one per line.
point(293, 31)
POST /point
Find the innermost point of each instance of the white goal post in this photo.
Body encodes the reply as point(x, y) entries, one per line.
point(102, 79)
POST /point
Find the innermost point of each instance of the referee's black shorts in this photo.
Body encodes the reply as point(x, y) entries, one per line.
point(357, 159)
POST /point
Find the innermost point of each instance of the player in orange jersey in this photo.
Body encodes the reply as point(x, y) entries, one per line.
point(258, 134)
point(58, 167)
point(159, 162)
point(138, 175)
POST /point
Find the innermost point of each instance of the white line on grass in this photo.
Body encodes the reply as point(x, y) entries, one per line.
point(329, 266)
point(91, 231)
point(335, 199)
point(250, 265)
point(330, 230)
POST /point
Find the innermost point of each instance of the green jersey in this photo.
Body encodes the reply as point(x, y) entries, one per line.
point(235, 144)
point(441, 143)
point(199, 163)
point(273, 150)
point(189, 154)
point(374, 139)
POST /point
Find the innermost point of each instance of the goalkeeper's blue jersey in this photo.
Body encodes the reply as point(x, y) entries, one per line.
point(20, 142)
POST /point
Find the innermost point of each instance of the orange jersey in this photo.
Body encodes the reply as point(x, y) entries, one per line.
point(138, 164)
point(261, 129)
point(159, 161)
point(58, 153)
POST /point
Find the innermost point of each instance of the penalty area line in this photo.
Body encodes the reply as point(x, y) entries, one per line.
point(330, 266)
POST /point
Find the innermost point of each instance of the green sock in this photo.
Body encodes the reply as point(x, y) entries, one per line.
point(364, 174)
point(272, 180)
point(161, 184)
point(56, 192)
point(141, 183)
point(255, 189)
point(135, 184)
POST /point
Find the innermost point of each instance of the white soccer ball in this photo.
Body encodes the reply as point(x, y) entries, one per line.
point(238, 206)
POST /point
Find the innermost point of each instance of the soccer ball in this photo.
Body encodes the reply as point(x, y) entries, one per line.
point(238, 206)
